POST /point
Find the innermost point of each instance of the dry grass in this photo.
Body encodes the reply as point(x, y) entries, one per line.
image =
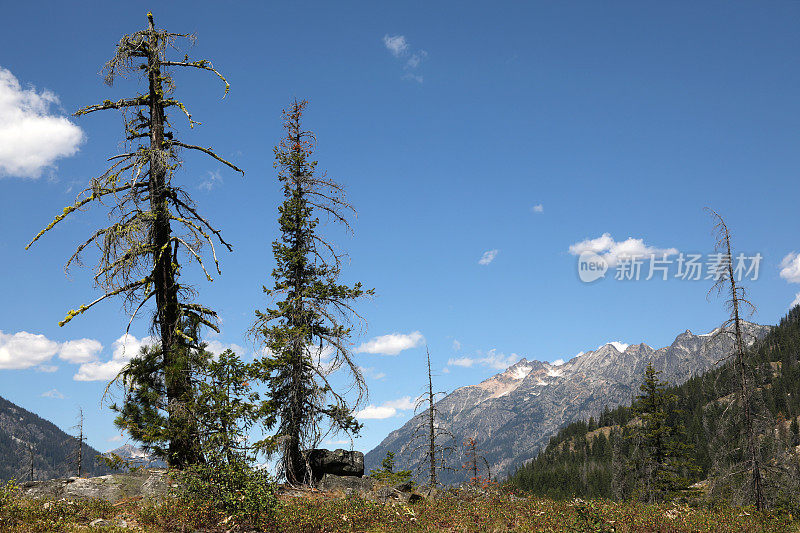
point(308, 511)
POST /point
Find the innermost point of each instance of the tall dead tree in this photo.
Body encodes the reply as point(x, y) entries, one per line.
point(31, 456)
point(155, 224)
point(77, 455)
point(738, 304)
point(435, 454)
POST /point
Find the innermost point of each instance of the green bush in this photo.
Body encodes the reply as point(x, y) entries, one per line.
point(245, 495)
point(386, 474)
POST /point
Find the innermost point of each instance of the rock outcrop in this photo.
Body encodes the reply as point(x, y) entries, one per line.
point(337, 462)
point(146, 484)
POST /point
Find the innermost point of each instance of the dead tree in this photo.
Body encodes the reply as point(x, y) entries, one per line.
point(30, 449)
point(76, 458)
point(738, 304)
point(155, 224)
point(435, 454)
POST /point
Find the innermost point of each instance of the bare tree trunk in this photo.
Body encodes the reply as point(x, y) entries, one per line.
point(744, 391)
point(79, 457)
point(431, 428)
point(737, 299)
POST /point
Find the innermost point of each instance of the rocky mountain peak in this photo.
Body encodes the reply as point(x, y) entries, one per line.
point(515, 412)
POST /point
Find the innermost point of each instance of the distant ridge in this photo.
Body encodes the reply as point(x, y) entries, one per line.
point(52, 447)
point(514, 413)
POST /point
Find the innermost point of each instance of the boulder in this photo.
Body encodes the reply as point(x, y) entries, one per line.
point(347, 484)
point(337, 462)
point(400, 492)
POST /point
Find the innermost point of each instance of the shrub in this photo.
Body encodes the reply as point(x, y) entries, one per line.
point(245, 495)
point(386, 473)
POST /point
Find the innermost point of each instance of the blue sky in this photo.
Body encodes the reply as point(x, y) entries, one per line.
point(484, 146)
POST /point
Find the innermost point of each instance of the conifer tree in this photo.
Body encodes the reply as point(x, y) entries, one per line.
point(664, 461)
point(306, 331)
point(155, 224)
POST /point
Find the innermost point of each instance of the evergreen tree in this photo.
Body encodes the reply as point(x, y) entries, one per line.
point(664, 461)
point(386, 473)
point(306, 332)
point(156, 225)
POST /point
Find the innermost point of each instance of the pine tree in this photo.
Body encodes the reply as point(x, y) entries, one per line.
point(156, 225)
point(306, 332)
point(146, 412)
point(386, 473)
point(664, 459)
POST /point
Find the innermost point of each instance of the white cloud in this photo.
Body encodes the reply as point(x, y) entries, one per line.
point(612, 251)
point(80, 351)
point(338, 442)
point(392, 344)
point(370, 372)
point(115, 438)
point(24, 350)
point(790, 268)
point(31, 138)
point(372, 412)
point(456, 345)
point(212, 180)
point(46, 368)
point(491, 359)
point(54, 394)
point(488, 256)
point(216, 347)
point(796, 300)
point(125, 348)
point(386, 409)
point(396, 44)
point(415, 59)
point(415, 77)
point(557, 362)
point(620, 346)
point(401, 404)
point(538, 208)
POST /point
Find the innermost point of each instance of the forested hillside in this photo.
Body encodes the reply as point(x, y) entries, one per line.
point(54, 452)
point(592, 458)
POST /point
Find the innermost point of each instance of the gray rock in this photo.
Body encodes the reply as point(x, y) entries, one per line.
point(358, 485)
point(337, 462)
point(146, 484)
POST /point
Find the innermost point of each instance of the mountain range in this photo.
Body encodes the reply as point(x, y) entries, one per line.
point(25, 436)
point(513, 414)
